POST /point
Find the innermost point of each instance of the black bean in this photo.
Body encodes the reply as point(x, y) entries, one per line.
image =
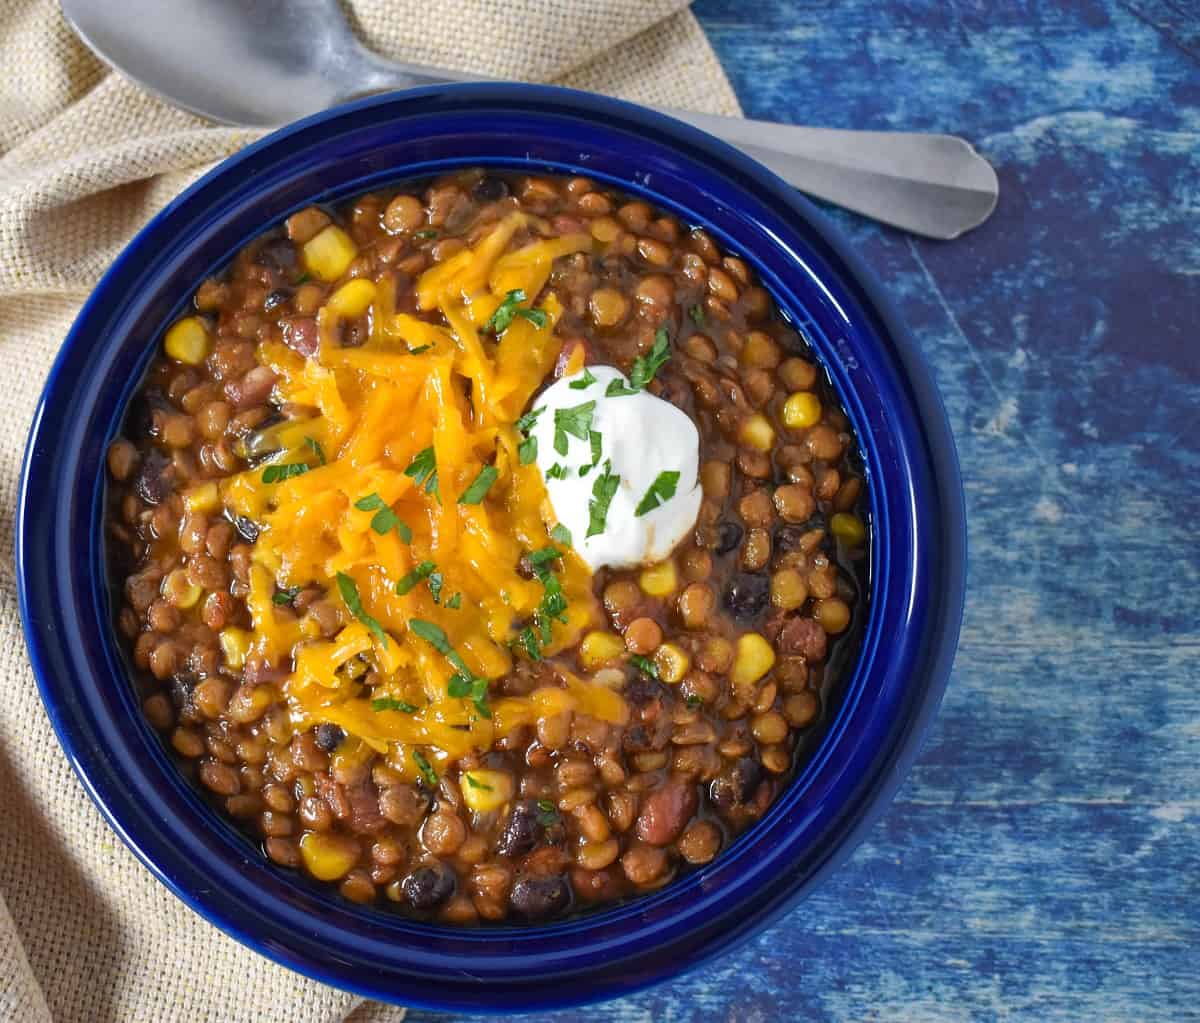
point(248, 528)
point(329, 736)
point(279, 253)
point(737, 786)
point(521, 831)
point(747, 595)
point(155, 478)
point(277, 298)
point(538, 898)
point(428, 887)
point(489, 189)
point(729, 537)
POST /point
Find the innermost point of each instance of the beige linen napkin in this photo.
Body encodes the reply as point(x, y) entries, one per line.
point(85, 159)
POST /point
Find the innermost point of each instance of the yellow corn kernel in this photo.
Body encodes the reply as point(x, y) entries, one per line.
point(179, 591)
point(187, 341)
point(204, 498)
point(659, 580)
point(801, 410)
point(672, 663)
point(757, 432)
point(848, 528)
point(752, 659)
point(484, 791)
point(352, 299)
point(235, 644)
point(329, 253)
point(599, 648)
point(328, 856)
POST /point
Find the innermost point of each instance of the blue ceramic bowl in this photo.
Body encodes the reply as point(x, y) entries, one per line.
point(918, 557)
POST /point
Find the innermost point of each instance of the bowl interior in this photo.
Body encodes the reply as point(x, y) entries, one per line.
point(916, 554)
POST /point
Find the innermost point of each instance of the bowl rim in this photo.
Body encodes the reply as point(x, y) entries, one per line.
point(937, 642)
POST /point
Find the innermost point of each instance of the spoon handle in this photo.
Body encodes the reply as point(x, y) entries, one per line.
point(932, 185)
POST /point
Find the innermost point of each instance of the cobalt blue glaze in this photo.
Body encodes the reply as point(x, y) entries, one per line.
point(918, 558)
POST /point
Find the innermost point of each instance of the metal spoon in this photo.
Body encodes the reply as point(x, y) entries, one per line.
point(267, 62)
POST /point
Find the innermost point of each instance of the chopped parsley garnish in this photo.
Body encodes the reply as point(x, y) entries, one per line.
point(384, 518)
point(285, 596)
point(661, 490)
point(544, 555)
point(561, 534)
point(603, 491)
point(423, 471)
point(479, 487)
point(694, 701)
point(477, 784)
point(428, 774)
point(435, 587)
point(423, 571)
point(315, 446)
point(553, 606)
point(528, 448)
point(419, 349)
point(547, 815)
point(510, 309)
point(348, 588)
point(279, 473)
point(577, 421)
point(528, 639)
point(644, 665)
point(455, 602)
point(303, 277)
point(583, 382)
point(427, 233)
point(463, 684)
point(644, 367)
point(696, 312)
point(556, 472)
point(388, 703)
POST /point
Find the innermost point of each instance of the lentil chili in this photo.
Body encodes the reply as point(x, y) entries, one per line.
point(689, 691)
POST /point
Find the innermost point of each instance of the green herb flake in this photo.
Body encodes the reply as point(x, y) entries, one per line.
point(422, 571)
point(423, 471)
point(369, 503)
point(476, 784)
point(462, 684)
point(694, 701)
point(528, 639)
point(384, 518)
point(547, 815)
point(279, 473)
point(527, 421)
point(644, 367)
point(475, 493)
point(577, 421)
point(644, 665)
point(285, 596)
point(661, 491)
point(314, 445)
point(696, 313)
point(561, 534)
point(303, 278)
point(419, 349)
point(428, 774)
point(527, 451)
point(348, 588)
point(388, 703)
point(425, 234)
point(584, 382)
point(510, 309)
point(544, 555)
point(556, 472)
point(455, 602)
point(603, 491)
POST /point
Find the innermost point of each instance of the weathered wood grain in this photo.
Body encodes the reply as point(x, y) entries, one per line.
point(1043, 860)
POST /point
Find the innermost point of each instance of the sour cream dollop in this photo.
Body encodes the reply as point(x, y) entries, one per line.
point(641, 439)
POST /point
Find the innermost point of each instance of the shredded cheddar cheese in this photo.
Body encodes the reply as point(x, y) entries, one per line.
point(367, 489)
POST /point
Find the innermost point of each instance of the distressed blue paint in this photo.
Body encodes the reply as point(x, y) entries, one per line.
point(1043, 861)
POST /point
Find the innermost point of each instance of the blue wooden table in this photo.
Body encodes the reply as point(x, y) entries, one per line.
point(1043, 860)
